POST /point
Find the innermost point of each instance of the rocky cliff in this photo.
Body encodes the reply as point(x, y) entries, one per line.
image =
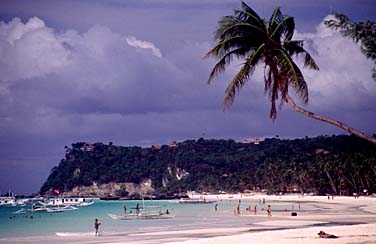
point(113, 189)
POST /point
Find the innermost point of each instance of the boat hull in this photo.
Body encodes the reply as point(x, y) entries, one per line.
point(141, 216)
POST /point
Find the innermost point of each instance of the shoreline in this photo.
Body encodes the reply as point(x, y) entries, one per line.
point(353, 220)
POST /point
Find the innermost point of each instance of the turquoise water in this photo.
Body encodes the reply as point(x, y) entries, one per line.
point(81, 221)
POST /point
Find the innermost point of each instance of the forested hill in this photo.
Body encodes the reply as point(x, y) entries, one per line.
point(323, 165)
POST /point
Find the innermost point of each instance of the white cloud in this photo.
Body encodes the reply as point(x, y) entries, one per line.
point(344, 79)
point(29, 50)
point(32, 49)
point(132, 41)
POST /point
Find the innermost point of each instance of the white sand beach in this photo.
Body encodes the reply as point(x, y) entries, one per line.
point(354, 221)
point(362, 234)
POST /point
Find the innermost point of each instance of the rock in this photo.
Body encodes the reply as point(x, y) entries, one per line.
point(322, 234)
point(113, 189)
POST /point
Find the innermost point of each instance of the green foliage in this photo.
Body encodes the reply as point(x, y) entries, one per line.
point(324, 165)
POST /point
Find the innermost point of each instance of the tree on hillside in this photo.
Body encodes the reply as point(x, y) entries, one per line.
point(245, 35)
point(361, 32)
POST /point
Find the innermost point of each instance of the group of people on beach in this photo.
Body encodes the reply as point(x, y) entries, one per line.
point(237, 210)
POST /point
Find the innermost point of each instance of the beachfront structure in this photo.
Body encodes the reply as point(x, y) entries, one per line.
point(252, 141)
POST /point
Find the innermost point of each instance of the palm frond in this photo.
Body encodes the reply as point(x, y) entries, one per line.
point(293, 75)
point(286, 27)
point(289, 28)
point(296, 48)
point(241, 28)
point(242, 76)
point(227, 45)
point(275, 19)
point(225, 61)
point(247, 14)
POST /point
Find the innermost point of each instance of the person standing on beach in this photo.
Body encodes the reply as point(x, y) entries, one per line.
point(269, 211)
point(216, 207)
point(96, 226)
point(255, 210)
point(125, 208)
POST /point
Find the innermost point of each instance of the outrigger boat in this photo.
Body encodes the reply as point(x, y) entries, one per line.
point(147, 212)
point(144, 212)
point(52, 209)
point(195, 200)
point(61, 209)
point(60, 204)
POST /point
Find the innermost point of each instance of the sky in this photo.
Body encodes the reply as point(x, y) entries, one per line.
point(132, 73)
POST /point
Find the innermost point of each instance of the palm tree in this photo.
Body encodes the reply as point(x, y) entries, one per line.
point(244, 35)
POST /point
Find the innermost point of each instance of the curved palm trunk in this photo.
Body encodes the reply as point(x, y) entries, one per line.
point(330, 121)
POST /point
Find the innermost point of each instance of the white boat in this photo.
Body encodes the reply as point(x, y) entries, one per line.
point(147, 212)
point(144, 212)
point(195, 200)
point(84, 204)
point(67, 201)
point(38, 209)
point(60, 209)
point(8, 201)
point(51, 209)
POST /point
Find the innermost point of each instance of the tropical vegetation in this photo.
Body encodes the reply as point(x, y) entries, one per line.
point(340, 165)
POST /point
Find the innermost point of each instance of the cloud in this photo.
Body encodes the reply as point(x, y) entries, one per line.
point(344, 80)
point(132, 41)
point(29, 50)
point(101, 71)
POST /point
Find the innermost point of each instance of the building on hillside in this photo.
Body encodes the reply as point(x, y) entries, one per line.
point(252, 140)
point(87, 147)
point(173, 144)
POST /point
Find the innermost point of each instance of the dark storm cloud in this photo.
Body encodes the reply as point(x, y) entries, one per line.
point(132, 72)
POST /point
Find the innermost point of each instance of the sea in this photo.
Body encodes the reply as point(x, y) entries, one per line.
point(64, 227)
